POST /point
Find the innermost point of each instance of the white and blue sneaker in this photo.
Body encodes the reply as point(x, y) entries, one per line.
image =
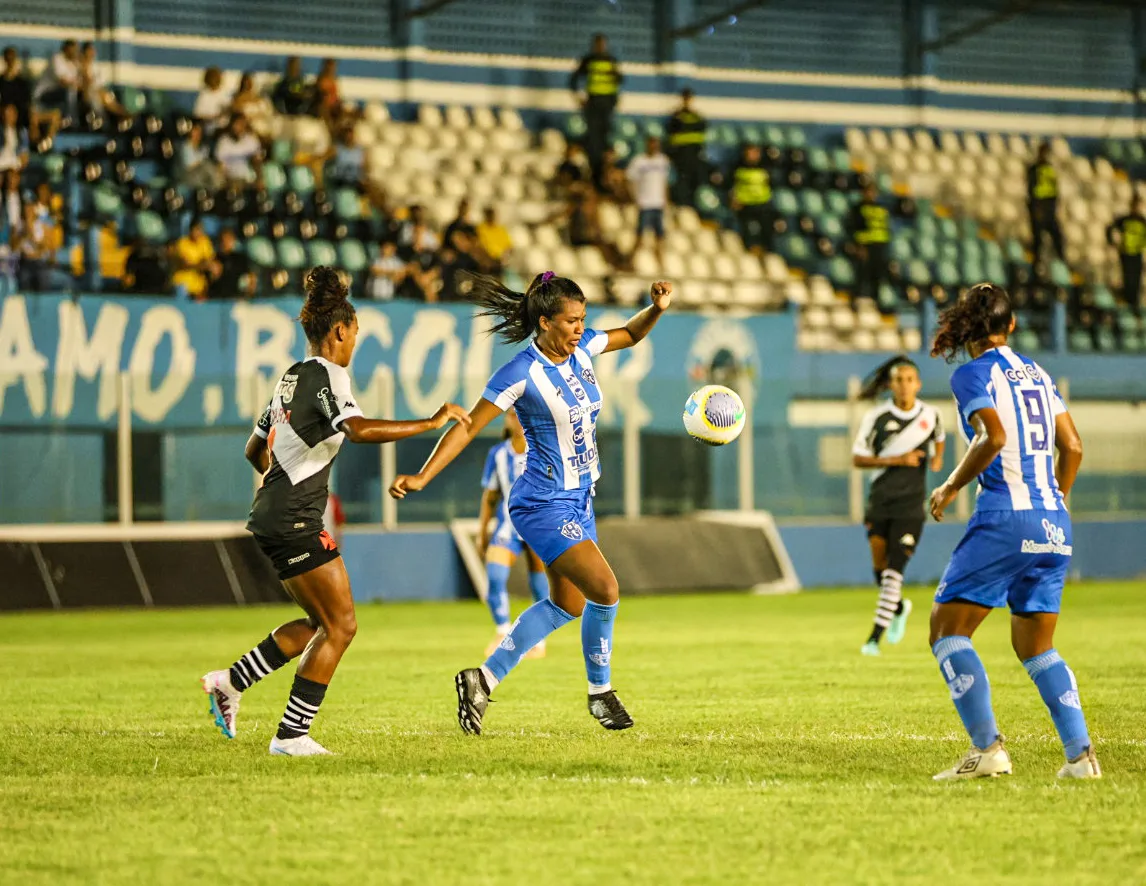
point(224, 699)
point(1083, 766)
point(299, 746)
point(898, 626)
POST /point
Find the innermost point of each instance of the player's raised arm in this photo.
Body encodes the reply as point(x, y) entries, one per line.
point(1069, 446)
point(641, 324)
point(449, 447)
point(990, 438)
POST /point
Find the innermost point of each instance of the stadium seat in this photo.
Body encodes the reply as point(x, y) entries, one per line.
point(150, 227)
point(841, 272)
point(352, 256)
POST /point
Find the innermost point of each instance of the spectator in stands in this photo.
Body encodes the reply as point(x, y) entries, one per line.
point(13, 140)
point(213, 104)
point(38, 242)
point(16, 89)
point(584, 227)
point(751, 200)
point(12, 202)
point(494, 240)
point(239, 152)
point(345, 162)
point(60, 84)
point(1128, 235)
point(414, 233)
point(97, 97)
point(424, 276)
point(194, 165)
point(235, 279)
point(195, 262)
point(603, 79)
point(49, 206)
point(571, 172)
point(870, 227)
point(145, 270)
point(326, 102)
point(458, 258)
point(461, 223)
point(1042, 196)
point(293, 93)
point(387, 272)
point(649, 176)
point(612, 182)
point(686, 135)
point(249, 102)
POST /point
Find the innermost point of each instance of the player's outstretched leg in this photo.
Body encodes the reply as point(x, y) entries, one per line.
point(474, 685)
point(967, 682)
point(497, 598)
point(1059, 691)
point(225, 688)
point(597, 646)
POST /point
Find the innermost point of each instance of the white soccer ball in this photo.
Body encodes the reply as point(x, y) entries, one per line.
point(714, 415)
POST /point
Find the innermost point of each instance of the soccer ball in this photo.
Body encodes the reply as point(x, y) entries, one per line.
point(714, 415)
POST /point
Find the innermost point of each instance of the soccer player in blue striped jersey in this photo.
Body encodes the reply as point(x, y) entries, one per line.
point(557, 398)
point(501, 547)
point(1017, 547)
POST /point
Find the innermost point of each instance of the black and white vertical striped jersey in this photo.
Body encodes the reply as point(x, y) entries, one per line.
point(301, 427)
point(887, 431)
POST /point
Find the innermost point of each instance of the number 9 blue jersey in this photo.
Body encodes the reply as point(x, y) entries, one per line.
point(1027, 402)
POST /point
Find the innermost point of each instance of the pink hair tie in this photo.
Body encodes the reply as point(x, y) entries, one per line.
point(547, 276)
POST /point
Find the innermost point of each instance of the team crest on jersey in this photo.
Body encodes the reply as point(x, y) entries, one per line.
point(572, 531)
point(589, 377)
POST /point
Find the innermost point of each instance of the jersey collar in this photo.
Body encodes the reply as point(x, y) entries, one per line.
point(544, 359)
point(902, 414)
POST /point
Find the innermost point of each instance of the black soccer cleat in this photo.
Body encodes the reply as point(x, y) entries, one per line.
point(608, 711)
point(473, 699)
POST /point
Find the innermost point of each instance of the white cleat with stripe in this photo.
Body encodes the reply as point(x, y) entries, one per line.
point(300, 746)
point(988, 763)
point(224, 700)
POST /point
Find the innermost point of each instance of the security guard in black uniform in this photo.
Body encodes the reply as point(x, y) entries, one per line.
point(602, 85)
point(686, 149)
point(1129, 235)
point(1042, 197)
point(751, 200)
point(870, 227)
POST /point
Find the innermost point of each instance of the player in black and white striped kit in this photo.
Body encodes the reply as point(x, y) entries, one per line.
point(293, 446)
point(898, 438)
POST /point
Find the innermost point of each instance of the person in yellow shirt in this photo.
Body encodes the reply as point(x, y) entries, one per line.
point(195, 259)
point(494, 238)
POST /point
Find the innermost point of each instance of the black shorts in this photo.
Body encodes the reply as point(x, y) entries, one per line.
point(294, 556)
point(897, 530)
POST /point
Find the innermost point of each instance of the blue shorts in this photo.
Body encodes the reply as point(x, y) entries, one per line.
point(505, 536)
point(551, 522)
point(651, 220)
point(1010, 558)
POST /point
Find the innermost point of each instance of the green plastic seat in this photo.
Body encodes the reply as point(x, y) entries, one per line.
point(352, 256)
point(654, 129)
point(1135, 153)
point(995, 272)
point(134, 100)
point(622, 149)
point(841, 272)
point(261, 252)
point(1127, 322)
point(830, 226)
point(947, 275)
point(751, 134)
point(282, 151)
point(347, 205)
point(926, 248)
point(901, 249)
point(1113, 150)
point(841, 160)
point(1027, 340)
point(811, 202)
point(1104, 299)
point(150, 227)
point(796, 137)
point(301, 180)
point(785, 202)
point(774, 135)
point(949, 251)
point(158, 102)
point(991, 250)
point(887, 298)
point(106, 202)
point(1132, 343)
point(948, 229)
point(1015, 251)
point(885, 184)
point(707, 200)
point(795, 249)
point(969, 229)
point(837, 202)
point(971, 272)
point(274, 178)
point(1106, 341)
point(575, 127)
point(1081, 342)
point(291, 254)
point(818, 160)
point(321, 252)
point(626, 128)
point(1060, 273)
point(54, 167)
point(918, 274)
point(927, 226)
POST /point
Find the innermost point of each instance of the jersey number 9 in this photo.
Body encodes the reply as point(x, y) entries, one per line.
point(1035, 422)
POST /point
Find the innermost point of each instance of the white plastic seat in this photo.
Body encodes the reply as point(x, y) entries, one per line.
point(924, 141)
point(887, 340)
point(456, 117)
point(730, 242)
point(364, 134)
point(944, 165)
point(473, 140)
point(552, 141)
point(796, 292)
point(748, 268)
point(996, 144)
point(484, 118)
point(843, 318)
point(699, 266)
point(629, 290)
point(724, 267)
point(901, 141)
point(949, 142)
point(393, 134)
point(591, 262)
point(686, 219)
point(380, 159)
point(855, 140)
point(878, 141)
point(645, 264)
point(676, 240)
point(610, 218)
point(706, 242)
point(863, 340)
point(972, 143)
point(912, 340)
point(509, 120)
point(430, 116)
point(674, 265)
point(547, 237)
point(820, 290)
point(775, 268)
point(511, 189)
point(750, 295)
point(421, 138)
point(482, 189)
point(719, 294)
point(815, 317)
point(520, 236)
point(376, 113)
point(1019, 146)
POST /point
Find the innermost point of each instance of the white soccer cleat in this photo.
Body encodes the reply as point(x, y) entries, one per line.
point(1083, 766)
point(870, 648)
point(988, 763)
point(224, 700)
point(300, 746)
point(898, 626)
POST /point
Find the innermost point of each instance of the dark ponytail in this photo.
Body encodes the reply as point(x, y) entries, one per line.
point(520, 313)
point(982, 311)
point(879, 378)
point(327, 303)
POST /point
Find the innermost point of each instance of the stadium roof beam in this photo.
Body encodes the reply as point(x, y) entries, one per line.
point(700, 25)
point(428, 8)
point(1016, 7)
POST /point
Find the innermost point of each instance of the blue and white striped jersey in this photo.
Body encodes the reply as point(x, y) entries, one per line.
point(502, 467)
point(1027, 402)
point(557, 404)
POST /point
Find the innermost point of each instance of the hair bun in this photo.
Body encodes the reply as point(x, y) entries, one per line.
point(324, 286)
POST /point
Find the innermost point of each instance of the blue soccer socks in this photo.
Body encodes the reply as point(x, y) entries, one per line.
point(539, 586)
point(497, 597)
point(967, 681)
point(597, 643)
point(532, 626)
point(1059, 692)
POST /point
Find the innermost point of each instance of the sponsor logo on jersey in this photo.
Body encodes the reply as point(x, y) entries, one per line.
point(578, 435)
point(572, 530)
point(575, 387)
point(298, 559)
point(1023, 372)
point(576, 413)
point(326, 402)
point(960, 685)
point(587, 374)
point(582, 462)
point(1055, 543)
point(287, 387)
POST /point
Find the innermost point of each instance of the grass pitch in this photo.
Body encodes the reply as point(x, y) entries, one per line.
point(767, 750)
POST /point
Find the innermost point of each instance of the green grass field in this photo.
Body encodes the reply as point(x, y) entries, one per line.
point(767, 750)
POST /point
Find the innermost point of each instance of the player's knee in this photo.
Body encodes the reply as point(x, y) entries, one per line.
point(342, 628)
point(605, 591)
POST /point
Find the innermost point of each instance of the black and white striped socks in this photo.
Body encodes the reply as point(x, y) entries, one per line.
point(302, 707)
point(890, 601)
point(256, 664)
